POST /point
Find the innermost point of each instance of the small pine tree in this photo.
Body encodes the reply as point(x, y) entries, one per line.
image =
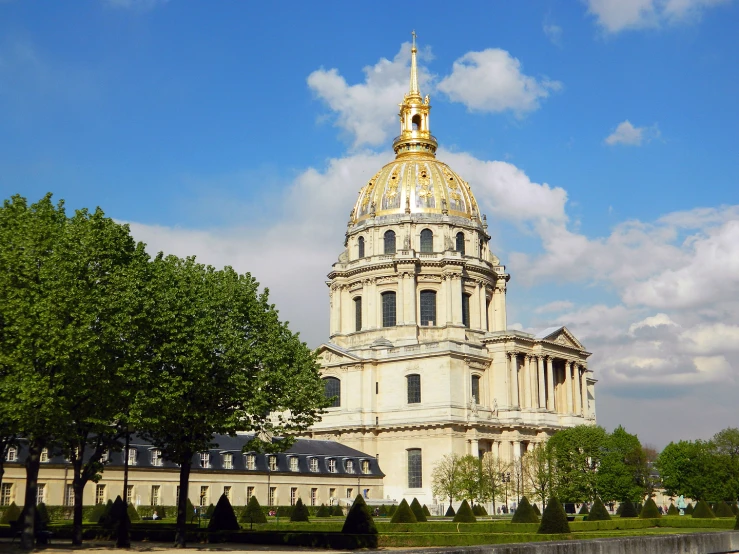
point(483, 511)
point(537, 510)
point(554, 519)
point(450, 511)
point(525, 513)
point(404, 514)
point(418, 511)
point(598, 511)
point(11, 513)
point(253, 513)
point(620, 509)
point(689, 509)
point(426, 511)
point(724, 510)
point(300, 512)
point(650, 510)
point(464, 514)
point(703, 510)
point(223, 517)
point(628, 509)
point(672, 510)
point(359, 520)
point(337, 511)
point(133, 515)
point(584, 510)
point(43, 513)
point(323, 511)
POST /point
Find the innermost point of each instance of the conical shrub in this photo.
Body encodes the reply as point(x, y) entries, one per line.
point(628, 509)
point(96, 514)
point(598, 511)
point(253, 513)
point(337, 511)
point(689, 509)
point(703, 510)
point(391, 510)
point(724, 510)
point(639, 507)
point(464, 514)
point(11, 513)
point(426, 511)
point(476, 509)
point(735, 508)
point(105, 518)
point(650, 510)
point(119, 523)
point(300, 512)
point(418, 511)
point(209, 510)
point(537, 510)
point(133, 515)
point(483, 511)
point(359, 520)
point(323, 511)
point(673, 511)
point(584, 510)
point(525, 513)
point(404, 514)
point(223, 517)
point(43, 513)
point(450, 511)
point(554, 519)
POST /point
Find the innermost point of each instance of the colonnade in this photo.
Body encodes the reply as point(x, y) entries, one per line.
point(534, 383)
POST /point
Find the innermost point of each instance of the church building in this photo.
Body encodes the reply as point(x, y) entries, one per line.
point(420, 361)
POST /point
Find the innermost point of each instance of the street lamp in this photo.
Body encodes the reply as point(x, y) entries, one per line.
point(506, 478)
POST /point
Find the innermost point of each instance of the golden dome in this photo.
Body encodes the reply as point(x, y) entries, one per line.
point(416, 182)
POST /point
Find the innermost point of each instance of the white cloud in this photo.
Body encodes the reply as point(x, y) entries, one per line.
point(626, 133)
point(553, 33)
point(556, 306)
point(617, 15)
point(658, 320)
point(492, 81)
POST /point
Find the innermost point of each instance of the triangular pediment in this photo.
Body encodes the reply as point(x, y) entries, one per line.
point(330, 354)
point(562, 336)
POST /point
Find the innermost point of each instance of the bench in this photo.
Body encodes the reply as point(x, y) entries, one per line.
point(41, 533)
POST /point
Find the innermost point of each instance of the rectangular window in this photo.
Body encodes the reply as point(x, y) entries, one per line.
point(428, 307)
point(314, 465)
point(44, 455)
point(251, 461)
point(415, 480)
point(293, 495)
point(204, 494)
point(228, 460)
point(133, 456)
point(155, 495)
point(294, 463)
point(272, 496)
point(331, 493)
point(273, 463)
point(129, 494)
point(349, 492)
point(313, 497)
point(365, 467)
point(388, 309)
point(99, 494)
point(332, 465)
point(227, 492)
point(69, 495)
point(358, 313)
point(466, 310)
point(6, 494)
point(12, 454)
point(156, 458)
point(350, 466)
point(249, 493)
point(40, 493)
point(476, 388)
point(414, 388)
point(205, 460)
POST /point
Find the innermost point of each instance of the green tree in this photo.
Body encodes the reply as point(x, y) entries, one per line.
point(538, 471)
point(623, 467)
point(445, 477)
point(692, 469)
point(222, 362)
point(493, 470)
point(576, 454)
point(470, 470)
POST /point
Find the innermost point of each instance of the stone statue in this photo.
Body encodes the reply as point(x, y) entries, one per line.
point(495, 407)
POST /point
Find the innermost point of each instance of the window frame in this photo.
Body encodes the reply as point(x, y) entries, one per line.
point(476, 383)
point(360, 247)
point(331, 465)
point(294, 463)
point(426, 241)
point(335, 381)
point(413, 385)
point(414, 458)
point(459, 243)
point(313, 465)
point(423, 309)
point(389, 248)
point(357, 313)
point(250, 461)
point(227, 458)
point(466, 309)
point(389, 313)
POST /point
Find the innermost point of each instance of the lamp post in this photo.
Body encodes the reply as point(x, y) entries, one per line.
point(506, 478)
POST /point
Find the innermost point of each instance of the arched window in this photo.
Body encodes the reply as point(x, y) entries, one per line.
point(428, 307)
point(332, 391)
point(460, 243)
point(389, 242)
point(415, 468)
point(388, 309)
point(476, 388)
point(360, 244)
point(466, 310)
point(416, 122)
point(358, 313)
point(414, 388)
point(427, 241)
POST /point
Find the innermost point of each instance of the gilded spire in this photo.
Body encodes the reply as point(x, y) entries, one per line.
point(414, 71)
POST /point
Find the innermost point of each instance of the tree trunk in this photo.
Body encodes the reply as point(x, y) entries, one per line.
point(182, 514)
point(29, 508)
point(78, 484)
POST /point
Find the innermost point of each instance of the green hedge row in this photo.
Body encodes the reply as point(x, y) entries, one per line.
point(455, 539)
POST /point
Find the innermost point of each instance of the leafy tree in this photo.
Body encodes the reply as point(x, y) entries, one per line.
point(418, 511)
point(223, 517)
point(445, 477)
point(359, 520)
point(623, 471)
point(253, 512)
point(576, 455)
point(470, 469)
point(222, 362)
point(538, 471)
point(300, 512)
point(525, 513)
point(692, 469)
point(554, 519)
point(493, 470)
point(403, 514)
point(598, 511)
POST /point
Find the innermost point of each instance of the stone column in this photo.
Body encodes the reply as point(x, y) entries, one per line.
point(400, 307)
point(514, 379)
point(448, 297)
point(584, 392)
point(568, 386)
point(372, 301)
point(533, 380)
point(551, 406)
point(475, 448)
point(516, 447)
point(337, 308)
point(542, 388)
point(410, 278)
point(577, 392)
point(482, 306)
point(457, 299)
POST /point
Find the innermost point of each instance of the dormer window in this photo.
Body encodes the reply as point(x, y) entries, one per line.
point(250, 460)
point(313, 464)
point(156, 457)
point(365, 467)
point(12, 454)
point(205, 460)
point(272, 463)
point(331, 465)
point(350, 466)
point(228, 460)
point(294, 463)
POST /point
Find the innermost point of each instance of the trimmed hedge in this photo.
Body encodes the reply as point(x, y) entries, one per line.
point(464, 514)
point(525, 513)
point(359, 520)
point(672, 510)
point(689, 509)
point(391, 510)
point(43, 513)
point(598, 511)
point(300, 512)
point(418, 511)
point(554, 519)
point(252, 512)
point(11, 513)
point(628, 509)
point(537, 510)
point(133, 515)
point(426, 511)
point(724, 510)
point(337, 511)
point(223, 518)
point(584, 510)
point(703, 510)
point(404, 514)
point(650, 510)
point(450, 511)
point(323, 511)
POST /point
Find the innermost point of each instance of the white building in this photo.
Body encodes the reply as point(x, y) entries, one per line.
point(419, 354)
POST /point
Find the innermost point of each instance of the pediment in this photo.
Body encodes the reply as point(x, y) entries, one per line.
point(330, 354)
point(564, 337)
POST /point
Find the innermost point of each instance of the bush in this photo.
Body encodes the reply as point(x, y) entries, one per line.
point(584, 510)
point(689, 509)
point(525, 513)
point(703, 510)
point(537, 510)
point(735, 508)
point(628, 509)
point(337, 511)
point(359, 519)
point(404, 514)
point(598, 511)
point(253, 513)
point(223, 517)
point(105, 520)
point(554, 519)
point(11, 513)
point(283, 511)
point(133, 515)
point(149, 511)
point(209, 511)
point(391, 510)
point(43, 513)
point(464, 514)
point(450, 511)
point(650, 510)
point(119, 523)
point(724, 510)
point(736, 525)
point(673, 511)
point(418, 511)
point(323, 511)
point(300, 512)
point(426, 511)
point(639, 507)
point(96, 514)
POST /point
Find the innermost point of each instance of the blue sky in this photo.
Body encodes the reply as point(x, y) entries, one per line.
point(600, 136)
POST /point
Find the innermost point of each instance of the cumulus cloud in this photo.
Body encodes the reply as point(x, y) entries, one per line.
point(553, 33)
point(627, 134)
point(493, 81)
point(556, 306)
point(617, 15)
